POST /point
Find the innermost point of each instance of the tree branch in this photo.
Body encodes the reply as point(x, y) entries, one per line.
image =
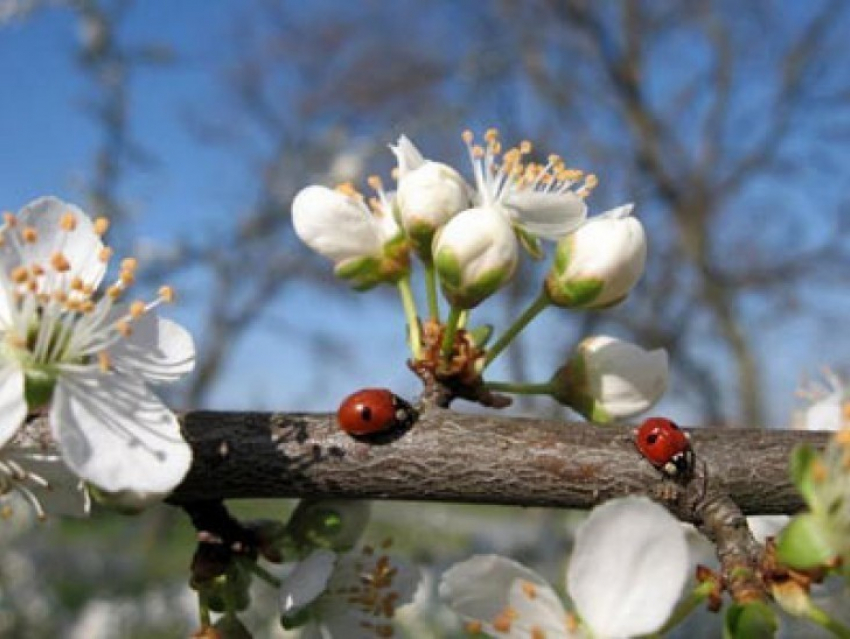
point(492, 459)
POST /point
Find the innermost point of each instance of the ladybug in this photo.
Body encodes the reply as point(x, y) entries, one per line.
point(374, 410)
point(665, 446)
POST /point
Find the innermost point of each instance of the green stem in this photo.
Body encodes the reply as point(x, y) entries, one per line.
point(515, 388)
point(414, 339)
point(819, 616)
point(204, 610)
point(685, 608)
point(463, 320)
point(263, 574)
point(533, 310)
point(431, 290)
point(450, 332)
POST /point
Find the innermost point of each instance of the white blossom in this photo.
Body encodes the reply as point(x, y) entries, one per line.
point(626, 574)
point(597, 265)
point(608, 379)
point(828, 404)
point(86, 356)
point(353, 595)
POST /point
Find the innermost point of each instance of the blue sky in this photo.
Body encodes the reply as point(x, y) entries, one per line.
point(49, 141)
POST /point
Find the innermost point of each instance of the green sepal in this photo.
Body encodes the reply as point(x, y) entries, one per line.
point(448, 268)
point(573, 294)
point(804, 542)
point(421, 236)
point(531, 243)
point(755, 620)
point(38, 388)
point(480, 335)
point(802, 460)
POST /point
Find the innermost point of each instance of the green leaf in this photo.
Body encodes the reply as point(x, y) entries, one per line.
point(754, 620)
point(804, 543)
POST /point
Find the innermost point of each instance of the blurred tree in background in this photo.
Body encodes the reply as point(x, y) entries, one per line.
point(725, 122)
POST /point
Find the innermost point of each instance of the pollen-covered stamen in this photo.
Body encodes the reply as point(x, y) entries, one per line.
point(29, 234)
point(13, 476)
point(101, 225)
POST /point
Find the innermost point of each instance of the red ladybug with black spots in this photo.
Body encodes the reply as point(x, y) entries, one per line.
point(665, 446)
point(372, 411)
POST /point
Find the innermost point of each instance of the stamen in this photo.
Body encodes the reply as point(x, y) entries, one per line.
point(529, 589)
point(129, 264)
point(105, 254)
point(127, 278)
point(68, 222)
point(77, 283)
point(101, 225)
point(467, 136)
point(60, 263)
point(347, 188)
point(137, 309)
point(104, 362)
point(20, 274)
point(166, 293)
point(375, 183)
point(29, 234)
point(474, 627)
point(9, 219)
point(124, 328)
point(504, 620)
point(114, 292)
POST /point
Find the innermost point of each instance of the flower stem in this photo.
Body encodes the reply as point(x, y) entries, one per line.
point(431, 290)
point(204, 610)
point(414, 339)
point(819, 616)
point(450, 332)
point(540, 388)
point(533, 310)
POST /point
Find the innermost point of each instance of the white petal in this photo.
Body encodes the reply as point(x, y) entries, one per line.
point(547, 215)
point(624, 378)
point(825, 414)
point(158, 349)
point(485, 586)
point(65, 494)
point(115, 433)
point(628, 567)
point(334, 225)
point(13, 406)
point(409, 157)
point(307, 581)
point(81, 246)
point(617, 213)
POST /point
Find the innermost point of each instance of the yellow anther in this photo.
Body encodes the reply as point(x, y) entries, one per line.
point(9, 219)
point(467, 136)
point(87, 306)
point(474, 627)
point(477, 151)
point(492, 134)
point(68, 222)
point(571, 622)
point(525, 147)
point(347, 188)
point(554, 158)
point(129, 264)
point(32, 286)
point(114, 292)
point(529, 589)
point(73, 305)
point(101, 225)
point(591, 181)
point(20, 274)
point(37, 270)
point(537, 633)
point(503, 621)
point(87, 289)
point(104, 362)
point(30, 234)
point(124, 328)
point(77, 283)
point(375, 183)
point(60, 296)
point(60, 263)
point(127, 277)
point(166, 294)
point(105, 254)
point(137, 309)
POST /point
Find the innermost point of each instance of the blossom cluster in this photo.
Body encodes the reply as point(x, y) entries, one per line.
point(469, 237)
point(85, 357)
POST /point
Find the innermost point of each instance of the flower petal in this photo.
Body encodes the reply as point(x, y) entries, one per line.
point(547, 215)
point(82, 246)
point(158, 349)
point(508, 599)
point(335, 225)
point(628, 567)
point(13, 405)
point(115, 433)
point(409, 157)
point(307, 581)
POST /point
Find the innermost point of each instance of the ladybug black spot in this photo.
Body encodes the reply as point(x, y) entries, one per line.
point(652, 438)
point(366, 413)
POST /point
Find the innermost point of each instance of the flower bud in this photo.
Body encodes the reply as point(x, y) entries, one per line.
point(366, 246)
point(608, 379)
point(429, 194)
point(475, 254)
point(598, 264)
point(328, 523)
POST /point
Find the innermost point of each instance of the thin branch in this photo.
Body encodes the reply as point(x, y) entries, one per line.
point(453, 457)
